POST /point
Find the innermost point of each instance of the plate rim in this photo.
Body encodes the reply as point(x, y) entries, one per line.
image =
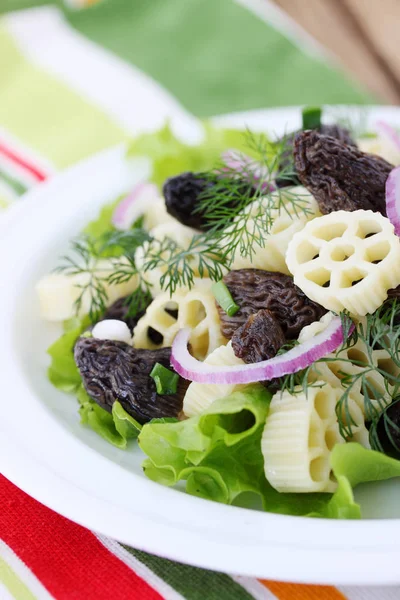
point(260, 546)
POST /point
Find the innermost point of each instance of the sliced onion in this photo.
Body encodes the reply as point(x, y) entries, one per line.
point(134, 205)
point(388, 132)
point(294, 360)
point(393, 199)
point(245, 164)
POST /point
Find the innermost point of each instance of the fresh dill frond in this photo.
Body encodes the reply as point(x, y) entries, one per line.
point(83, 263)
point(100, 262)
point(124, 266)
point(379, 331)
point(122, 242)
point(385, 425)
point(240, 206)
point(139, 299)
point(181, 266)
point(242, 202)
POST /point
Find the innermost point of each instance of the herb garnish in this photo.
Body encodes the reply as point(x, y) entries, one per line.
point(84, 261)
point(379, 331)
point(104, 261)
point(240, 216)
point(240, 209)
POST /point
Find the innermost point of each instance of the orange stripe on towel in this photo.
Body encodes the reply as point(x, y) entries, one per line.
point(295, 591)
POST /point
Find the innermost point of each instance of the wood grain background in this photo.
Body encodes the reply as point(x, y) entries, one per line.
point(363, 34)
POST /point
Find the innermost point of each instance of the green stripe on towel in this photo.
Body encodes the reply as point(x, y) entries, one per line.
point(18, 187)
point(214, 56)
point(51, 122)
point(191, 582)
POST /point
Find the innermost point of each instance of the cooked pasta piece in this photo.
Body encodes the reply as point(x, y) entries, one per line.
point(299, 435)
point(354, 360)
point(167, 314)
point(157, 215)
point(199, 396)
point(382, 147)
point(286, 222)
point(346, 260)
point(58, 292)
point(310, 331)
point(177, 232)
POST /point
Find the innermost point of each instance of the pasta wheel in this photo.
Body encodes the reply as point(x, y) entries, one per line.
point(177, 232)
point(167, 314)
point(355, 359)
point(382, 147)
point(199, 396)
point(157, 215)
point(286, 223)
point(299, 434)
point(310, 331)
point(58, 293)
point(346, 260)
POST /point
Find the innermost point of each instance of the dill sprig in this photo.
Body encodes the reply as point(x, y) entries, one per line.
point(240, 206)
point(181, 266)
point(244, 201)
point(379, 331)
point(103, 261)
point(83, 261)
point(385, 424)
point(125, 243)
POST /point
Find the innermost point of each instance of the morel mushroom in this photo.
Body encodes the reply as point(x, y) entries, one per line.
point(115, 371)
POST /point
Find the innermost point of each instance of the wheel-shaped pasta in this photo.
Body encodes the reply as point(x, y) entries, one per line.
point(270, 256)
point(382, 147)
point(362, 404)
point(58, 292)
point(167, 314)
point(199, 396)
point(175, 231)
point(346, 260)
point(156, 215)
point(299, 435)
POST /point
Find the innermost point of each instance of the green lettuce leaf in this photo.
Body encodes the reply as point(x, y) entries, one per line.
point(102, 224)
point(170, 156)
point(63, 372)
point(116, 427)
point(218, 453)
point(351, 464)
point(219, 456)
point(359, 465)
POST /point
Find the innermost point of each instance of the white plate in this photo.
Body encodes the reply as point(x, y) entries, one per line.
point(46, 452)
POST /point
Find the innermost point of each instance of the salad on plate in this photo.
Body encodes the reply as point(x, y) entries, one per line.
point(238, 315)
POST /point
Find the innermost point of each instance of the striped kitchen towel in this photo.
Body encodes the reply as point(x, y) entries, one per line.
point(75, 80)
point(43, 556)
point(77, 76)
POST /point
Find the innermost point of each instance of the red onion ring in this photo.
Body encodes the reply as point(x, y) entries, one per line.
point(134, 205)
point(294, 360)
point(388, 132)
point(245, 165)
point(393, 199)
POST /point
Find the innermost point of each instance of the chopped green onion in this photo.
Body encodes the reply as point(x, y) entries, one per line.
point(87, 334)
point(369, 135)
point(223, 296)
point(166, 381)
point(311, 117)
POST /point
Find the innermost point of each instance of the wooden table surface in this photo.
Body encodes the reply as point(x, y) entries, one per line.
point(363, 34)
